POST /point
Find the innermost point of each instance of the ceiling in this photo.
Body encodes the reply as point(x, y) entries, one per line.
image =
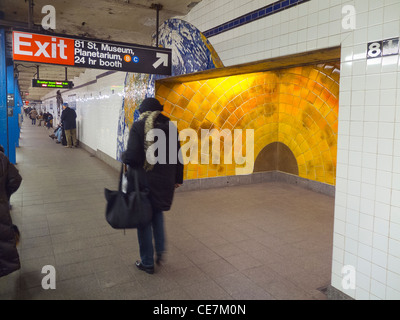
point(131, 21)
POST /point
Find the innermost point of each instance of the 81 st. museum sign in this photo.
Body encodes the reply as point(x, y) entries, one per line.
point(85, 53)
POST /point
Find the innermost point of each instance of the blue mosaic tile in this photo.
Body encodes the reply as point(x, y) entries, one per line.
point(191, 53)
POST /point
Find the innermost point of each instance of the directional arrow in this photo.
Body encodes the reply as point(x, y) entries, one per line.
point(162, 59)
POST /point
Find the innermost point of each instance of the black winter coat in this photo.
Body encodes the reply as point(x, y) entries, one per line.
point(163, 178)
point(10, 180)
point(68, 119)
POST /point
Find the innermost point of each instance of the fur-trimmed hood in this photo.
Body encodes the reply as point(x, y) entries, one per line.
point(162, 178)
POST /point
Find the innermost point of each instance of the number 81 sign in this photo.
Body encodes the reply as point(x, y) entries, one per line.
point(383, 48)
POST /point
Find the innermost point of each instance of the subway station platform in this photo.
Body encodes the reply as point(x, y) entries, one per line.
point(265, 241)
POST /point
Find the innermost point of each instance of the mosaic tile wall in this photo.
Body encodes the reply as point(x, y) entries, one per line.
point(297, 107)
point(191, 52)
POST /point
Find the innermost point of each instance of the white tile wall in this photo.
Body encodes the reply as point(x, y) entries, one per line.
point(367, 211)
point(98, 109)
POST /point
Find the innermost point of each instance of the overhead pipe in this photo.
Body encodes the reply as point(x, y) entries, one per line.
point(30, 14)
point(23, 25)
point(157, 7)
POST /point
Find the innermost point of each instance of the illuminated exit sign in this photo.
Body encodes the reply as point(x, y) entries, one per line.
point(93, 54)
point(37, 83)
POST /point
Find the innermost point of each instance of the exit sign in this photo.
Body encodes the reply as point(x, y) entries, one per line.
point(94, 54)
point(37, 83)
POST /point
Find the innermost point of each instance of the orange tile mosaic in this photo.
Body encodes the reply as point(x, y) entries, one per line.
point(297, 107)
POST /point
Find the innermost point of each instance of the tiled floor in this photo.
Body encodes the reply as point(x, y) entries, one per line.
point(257, 242)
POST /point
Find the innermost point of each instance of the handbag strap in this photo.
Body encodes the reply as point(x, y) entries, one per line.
point(136, 181)
point(120, 178)
point(137, 189)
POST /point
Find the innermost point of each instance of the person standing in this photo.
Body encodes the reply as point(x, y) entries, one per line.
point(33, 114)
point(162, 179)
point(68, 120)
point(40, 118)
point(10, 180)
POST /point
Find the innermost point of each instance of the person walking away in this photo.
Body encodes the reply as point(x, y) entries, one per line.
point(28, 110)
point(162, 179)
point(33, 114)
point(10, 180)
point(68, 120)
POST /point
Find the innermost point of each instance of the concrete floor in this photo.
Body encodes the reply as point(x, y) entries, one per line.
point(269, 241)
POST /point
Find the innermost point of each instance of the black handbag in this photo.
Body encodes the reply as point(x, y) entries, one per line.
point(128, 210)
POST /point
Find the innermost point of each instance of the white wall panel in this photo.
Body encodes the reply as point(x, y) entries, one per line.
point(98, 107)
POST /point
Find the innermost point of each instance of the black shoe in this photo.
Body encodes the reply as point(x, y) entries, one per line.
point(140, 266)
point(159, 259)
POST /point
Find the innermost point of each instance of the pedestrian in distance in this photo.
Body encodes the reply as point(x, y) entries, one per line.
point(10, 180)
point(68, 120)
point(161, 179)
point(40, 118)
point(28, 109)
point(33, 114)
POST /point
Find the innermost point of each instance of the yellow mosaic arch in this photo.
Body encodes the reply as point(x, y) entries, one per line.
point(297, 107)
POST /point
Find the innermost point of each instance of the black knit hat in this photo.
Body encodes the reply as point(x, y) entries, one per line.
point(150, 104)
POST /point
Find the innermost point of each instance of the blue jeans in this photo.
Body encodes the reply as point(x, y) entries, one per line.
point(145, 237)
point(58, 134)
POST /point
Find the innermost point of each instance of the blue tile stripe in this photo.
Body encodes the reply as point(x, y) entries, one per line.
point(253, 16)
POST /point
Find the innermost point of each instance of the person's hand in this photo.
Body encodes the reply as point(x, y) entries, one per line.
point(177, 185)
